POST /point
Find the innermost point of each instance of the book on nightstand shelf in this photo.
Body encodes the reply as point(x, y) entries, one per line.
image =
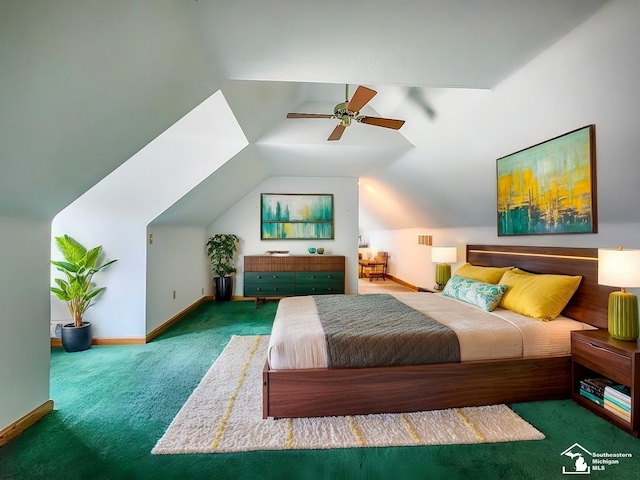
point(595, 399)
point(617, 399)
point(595, 386)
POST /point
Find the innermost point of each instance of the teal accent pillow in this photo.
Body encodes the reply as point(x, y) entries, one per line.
point(485, 295)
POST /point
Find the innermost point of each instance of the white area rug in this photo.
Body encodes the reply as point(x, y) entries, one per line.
point(224, 414)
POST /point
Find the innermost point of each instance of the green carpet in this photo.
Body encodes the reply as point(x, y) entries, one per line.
point(112, 404)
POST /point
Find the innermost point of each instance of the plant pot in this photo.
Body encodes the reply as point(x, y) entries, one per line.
point(76, 339)
point(224, 288)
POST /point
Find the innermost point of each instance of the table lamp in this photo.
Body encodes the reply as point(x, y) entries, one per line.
point(621, 268)
point(443, 256)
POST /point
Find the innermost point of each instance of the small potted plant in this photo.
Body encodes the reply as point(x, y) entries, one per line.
point(77, 290)
point(221, 249)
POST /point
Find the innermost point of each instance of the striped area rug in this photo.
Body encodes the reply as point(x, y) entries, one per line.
point(224, 414)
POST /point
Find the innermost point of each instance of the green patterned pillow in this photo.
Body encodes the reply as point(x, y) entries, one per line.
point(485, 295)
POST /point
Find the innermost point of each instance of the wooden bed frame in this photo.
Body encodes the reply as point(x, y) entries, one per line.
point(355, 391)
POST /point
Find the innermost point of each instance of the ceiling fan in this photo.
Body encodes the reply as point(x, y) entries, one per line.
point(350, 110)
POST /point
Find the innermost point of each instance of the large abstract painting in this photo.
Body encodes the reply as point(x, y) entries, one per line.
point(550, 187)
point(295, 216)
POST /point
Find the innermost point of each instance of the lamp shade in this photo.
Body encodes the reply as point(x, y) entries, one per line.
point(444, 254)
point(619, 267)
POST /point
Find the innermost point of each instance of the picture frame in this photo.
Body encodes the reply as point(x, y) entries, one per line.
point(550, 187)
point(292, 216)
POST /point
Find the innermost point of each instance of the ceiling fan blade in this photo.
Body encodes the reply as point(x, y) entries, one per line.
point(382, 122)
point(309, 115)
point(337, 132)
point(362, 96)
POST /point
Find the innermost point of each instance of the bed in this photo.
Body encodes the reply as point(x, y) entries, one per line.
point(469, 381)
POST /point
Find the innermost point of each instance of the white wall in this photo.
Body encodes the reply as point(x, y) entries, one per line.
point(116, 211)
point(24, 317)
point(176, 261)
point(411, 262)
point(244, 220)
point(590, 76)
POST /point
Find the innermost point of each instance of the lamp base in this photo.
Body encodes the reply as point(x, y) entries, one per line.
point(623, 316)
point(443, 274)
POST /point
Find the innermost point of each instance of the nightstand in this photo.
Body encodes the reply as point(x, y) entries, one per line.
point(596, 354)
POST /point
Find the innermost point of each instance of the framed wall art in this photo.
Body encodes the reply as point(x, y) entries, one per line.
point(286, 216)
point(550, 187)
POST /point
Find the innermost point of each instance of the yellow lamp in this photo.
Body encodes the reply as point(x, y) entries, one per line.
point(618, 267)
point(443, 256)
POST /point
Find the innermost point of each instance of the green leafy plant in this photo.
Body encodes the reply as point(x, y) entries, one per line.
point(79, 267)
point(221, 249)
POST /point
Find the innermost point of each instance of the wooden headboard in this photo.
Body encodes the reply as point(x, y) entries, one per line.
point(590, 302)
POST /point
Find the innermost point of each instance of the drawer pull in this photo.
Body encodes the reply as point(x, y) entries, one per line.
point(275, 276)
point(313, 276)
point(328, 276)
point(258, 289)
point(596, 346)
point(258, 276)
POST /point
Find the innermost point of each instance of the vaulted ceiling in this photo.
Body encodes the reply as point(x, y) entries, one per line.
point(86, 85)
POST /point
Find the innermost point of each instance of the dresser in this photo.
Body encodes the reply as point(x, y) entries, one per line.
point(283, 276)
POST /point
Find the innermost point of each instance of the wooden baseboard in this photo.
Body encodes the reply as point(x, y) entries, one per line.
point(402, 282)
point(19, 426)
point(176, 318)
point(56, 342)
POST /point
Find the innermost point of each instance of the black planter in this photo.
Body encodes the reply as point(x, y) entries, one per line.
point(76, 339)
point(224, 288)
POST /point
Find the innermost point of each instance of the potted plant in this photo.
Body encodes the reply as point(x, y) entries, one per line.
point(77, 290)
point(221, 249)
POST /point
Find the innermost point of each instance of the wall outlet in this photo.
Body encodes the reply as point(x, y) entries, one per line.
point(174, 294)
point(56, 327)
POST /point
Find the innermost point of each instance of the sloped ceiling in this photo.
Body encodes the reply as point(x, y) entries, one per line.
point(427, 60)
point(437, 43)
point(85, 85)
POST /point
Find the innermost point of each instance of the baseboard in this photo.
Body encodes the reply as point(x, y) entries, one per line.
point(19, 426)
point(402, 282)
point(176, 318)
point(56, 342)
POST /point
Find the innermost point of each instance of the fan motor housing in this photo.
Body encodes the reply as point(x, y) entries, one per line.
point(341, 112)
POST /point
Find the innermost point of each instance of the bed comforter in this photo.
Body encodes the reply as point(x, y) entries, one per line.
point(298, 339)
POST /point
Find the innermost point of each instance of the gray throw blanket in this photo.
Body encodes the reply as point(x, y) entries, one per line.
point(379, 330)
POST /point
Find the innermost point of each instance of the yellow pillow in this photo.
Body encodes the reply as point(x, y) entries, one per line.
point(521, 272)
point(542, 297)
point(482, 274)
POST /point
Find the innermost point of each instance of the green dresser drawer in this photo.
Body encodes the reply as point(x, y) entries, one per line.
point(268, 289)
point(320, 288)
point(285, 276)
point(268, 277)
point(320, 277)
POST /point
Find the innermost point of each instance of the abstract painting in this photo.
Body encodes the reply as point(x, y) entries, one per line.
point(296, 216)
point(550, 187)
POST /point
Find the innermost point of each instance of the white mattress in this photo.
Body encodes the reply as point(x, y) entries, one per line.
point(297, 339)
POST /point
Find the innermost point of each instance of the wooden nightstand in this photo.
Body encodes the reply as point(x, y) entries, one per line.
point(596, 354)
